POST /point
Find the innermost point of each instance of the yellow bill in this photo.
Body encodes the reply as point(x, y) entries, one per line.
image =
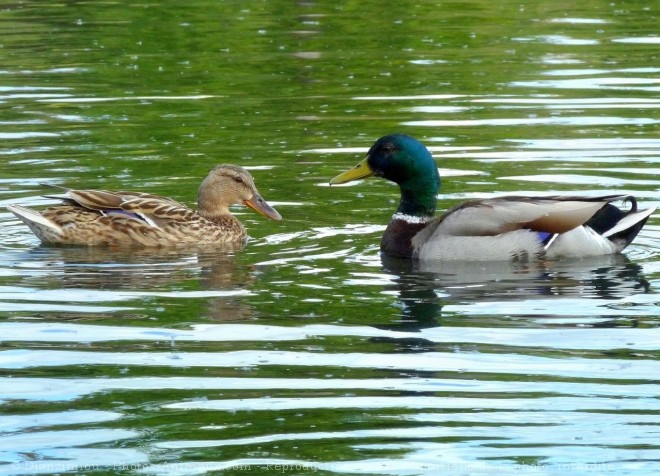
point(361, 170)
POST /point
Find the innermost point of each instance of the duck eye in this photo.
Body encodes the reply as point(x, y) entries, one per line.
point(238, 180)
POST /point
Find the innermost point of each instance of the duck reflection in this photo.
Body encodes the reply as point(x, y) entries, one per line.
point(423, 288)
point(162, 274)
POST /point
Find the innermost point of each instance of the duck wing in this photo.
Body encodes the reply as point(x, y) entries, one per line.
point(100, 199)
point(516, 227)
point(152, 210)
point(157, 211)
point(551, 214)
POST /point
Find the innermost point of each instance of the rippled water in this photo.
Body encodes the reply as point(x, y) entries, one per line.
point(306, 352)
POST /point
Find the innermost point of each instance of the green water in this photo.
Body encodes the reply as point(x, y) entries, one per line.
point(306, 352)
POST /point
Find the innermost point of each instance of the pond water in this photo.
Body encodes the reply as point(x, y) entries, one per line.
point(306, 352)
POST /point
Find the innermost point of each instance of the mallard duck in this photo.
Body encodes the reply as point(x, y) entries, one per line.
point(503, 228)
point(100, 217)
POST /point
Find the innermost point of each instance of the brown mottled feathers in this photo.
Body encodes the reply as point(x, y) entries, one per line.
point(101, 217)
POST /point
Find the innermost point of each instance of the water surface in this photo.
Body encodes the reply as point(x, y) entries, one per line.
point(306, 352)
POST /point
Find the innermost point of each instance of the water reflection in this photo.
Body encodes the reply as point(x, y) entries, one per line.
point(112, 268)
point(423, 288)
point(90, 280)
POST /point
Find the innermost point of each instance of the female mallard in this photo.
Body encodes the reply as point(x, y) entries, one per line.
point(100, 217)
point(504, 228)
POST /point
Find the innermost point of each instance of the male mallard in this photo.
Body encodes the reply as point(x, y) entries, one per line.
point(503, 228)
point(100, 217)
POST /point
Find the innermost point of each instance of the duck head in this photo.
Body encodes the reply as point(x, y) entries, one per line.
point(404, 160)
point(228, 185)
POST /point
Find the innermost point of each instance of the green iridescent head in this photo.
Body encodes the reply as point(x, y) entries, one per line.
point(406, 161)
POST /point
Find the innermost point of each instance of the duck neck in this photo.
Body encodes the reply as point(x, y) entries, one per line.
point(221, 217)
point(416, 210)
point(209, 204)
point(214, 213)
point(418, 198)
